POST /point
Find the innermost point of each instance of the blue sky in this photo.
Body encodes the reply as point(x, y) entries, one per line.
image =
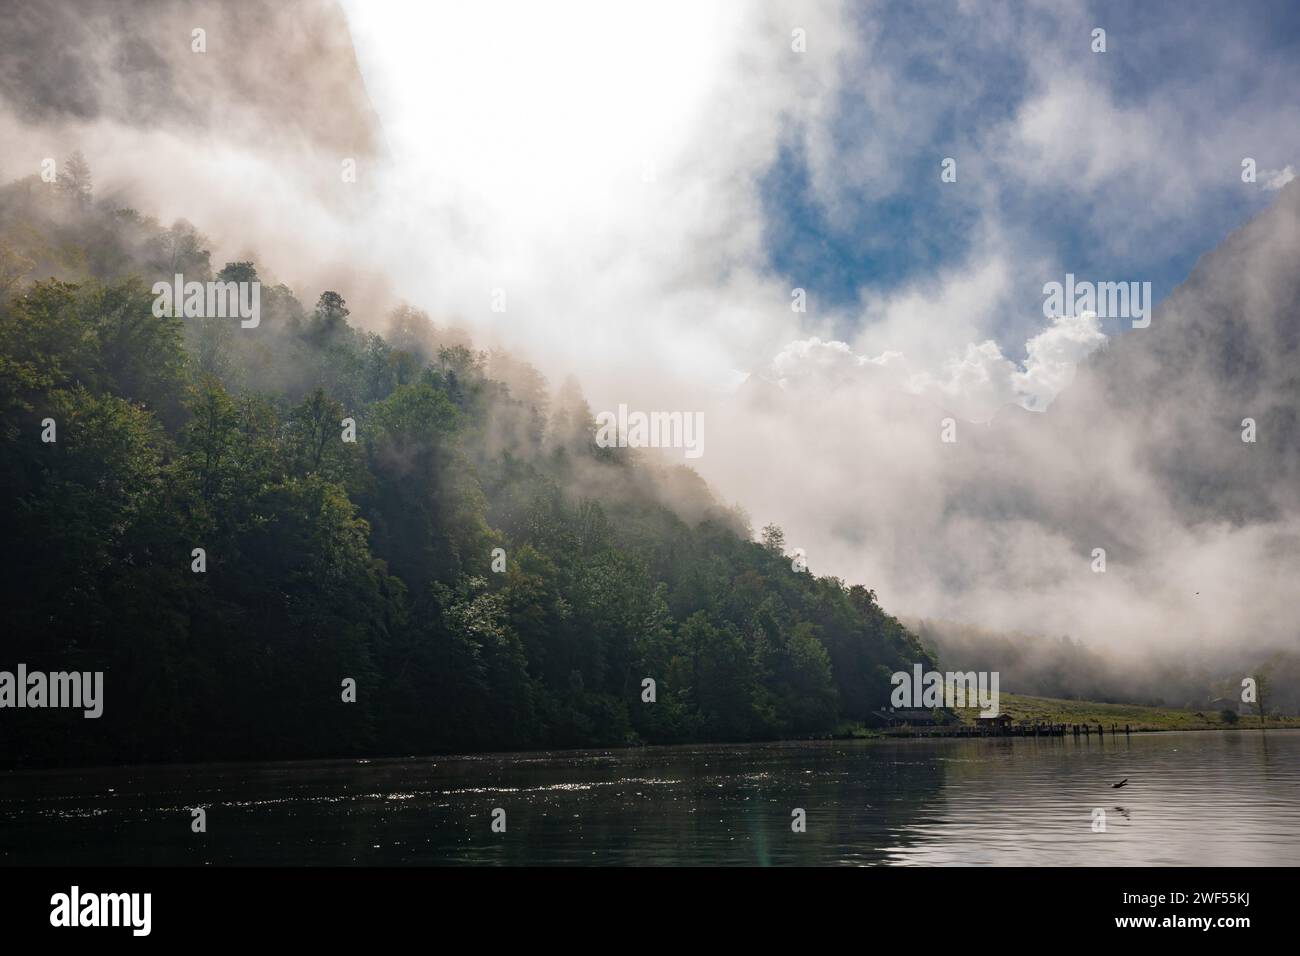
point(965, 80)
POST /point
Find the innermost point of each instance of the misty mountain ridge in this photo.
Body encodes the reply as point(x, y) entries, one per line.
point(1141, 454)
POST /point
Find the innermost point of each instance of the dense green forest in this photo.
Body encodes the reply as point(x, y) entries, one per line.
point(372, 560)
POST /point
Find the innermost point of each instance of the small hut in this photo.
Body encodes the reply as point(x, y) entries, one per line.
point(994, 723)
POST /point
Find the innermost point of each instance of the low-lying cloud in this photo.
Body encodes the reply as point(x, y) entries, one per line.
point(602, 169)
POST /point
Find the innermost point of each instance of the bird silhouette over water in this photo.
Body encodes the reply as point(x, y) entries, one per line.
point(1116, 786)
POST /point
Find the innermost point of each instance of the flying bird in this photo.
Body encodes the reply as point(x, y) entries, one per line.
point(1116, 786)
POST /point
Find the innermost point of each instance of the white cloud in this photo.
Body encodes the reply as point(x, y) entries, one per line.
point(974, 383)
point(1274, 179)
point(1052, 356)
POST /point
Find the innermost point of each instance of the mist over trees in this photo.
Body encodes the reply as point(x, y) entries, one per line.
point(1065, 667)
point(374, 560)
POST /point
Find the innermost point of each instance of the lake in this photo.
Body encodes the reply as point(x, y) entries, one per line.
point(1194, 798)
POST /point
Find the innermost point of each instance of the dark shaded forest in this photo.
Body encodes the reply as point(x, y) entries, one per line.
point(371, 559)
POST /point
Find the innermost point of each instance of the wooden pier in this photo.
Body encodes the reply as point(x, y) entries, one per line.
point(1008, 729)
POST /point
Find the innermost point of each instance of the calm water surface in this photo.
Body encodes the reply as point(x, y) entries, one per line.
point(1212, 798)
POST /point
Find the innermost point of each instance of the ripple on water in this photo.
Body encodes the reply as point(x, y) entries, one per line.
point(1229, 798)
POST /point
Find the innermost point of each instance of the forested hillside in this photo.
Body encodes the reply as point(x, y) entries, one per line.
point(373, 560)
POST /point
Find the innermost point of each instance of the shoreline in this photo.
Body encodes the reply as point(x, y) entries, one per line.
point(1292, 724)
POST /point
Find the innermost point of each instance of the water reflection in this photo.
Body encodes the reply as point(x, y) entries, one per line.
point(1205, 798)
